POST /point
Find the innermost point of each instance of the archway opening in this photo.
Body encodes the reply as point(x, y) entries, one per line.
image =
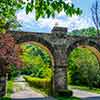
point(84, 68)
point(37, 69)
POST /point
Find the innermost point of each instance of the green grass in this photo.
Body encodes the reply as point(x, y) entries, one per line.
point(65, 98)
point(9, 91)
point(5, 98)
point(94, 90)
point(9, 88)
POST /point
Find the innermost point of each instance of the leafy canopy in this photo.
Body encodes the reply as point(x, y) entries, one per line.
point(8, 10)
point(36, 61)
point(43, 8)
point(91, 31)
point(50, 8)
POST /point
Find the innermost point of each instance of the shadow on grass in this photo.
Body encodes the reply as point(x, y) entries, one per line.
point(5, 98)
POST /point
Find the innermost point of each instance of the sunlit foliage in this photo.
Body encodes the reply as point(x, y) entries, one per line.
point(8, 10)
point(91, 31)
point(48, 8)
point(84, 68)
point(36, 61)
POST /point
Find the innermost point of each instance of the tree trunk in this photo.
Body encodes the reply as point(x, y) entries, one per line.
point(98, 32)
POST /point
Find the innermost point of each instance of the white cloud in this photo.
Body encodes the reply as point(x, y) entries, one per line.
point(50, 22)
point(78, 22)
point(74, 22)
point(26, 1)
point(22, 16)
point(68, 1)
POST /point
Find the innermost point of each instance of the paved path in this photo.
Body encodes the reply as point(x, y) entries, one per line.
point(23, 92)
point(84, 95)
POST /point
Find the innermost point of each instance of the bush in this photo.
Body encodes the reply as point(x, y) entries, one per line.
point(36, 61)
point(65, 93)
point(13, 72)
point(9, 91)
point(83, 68)
point(38, 82)
point(9, 88)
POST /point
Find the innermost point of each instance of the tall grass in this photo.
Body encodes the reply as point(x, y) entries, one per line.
point(9, 91)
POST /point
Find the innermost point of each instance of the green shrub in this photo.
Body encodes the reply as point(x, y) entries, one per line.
point(9, 91)
point(65, 93)
point(9, 88)
point(38, 82)
point(83, 68)
point(36, 62)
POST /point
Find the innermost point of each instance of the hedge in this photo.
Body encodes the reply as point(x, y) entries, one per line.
point(38, 82)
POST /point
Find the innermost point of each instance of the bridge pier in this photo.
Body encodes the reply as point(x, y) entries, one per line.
point(3, 76)
point(2, 85)
point(60, 79)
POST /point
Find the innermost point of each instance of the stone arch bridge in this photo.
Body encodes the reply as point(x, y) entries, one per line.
point(60, 46)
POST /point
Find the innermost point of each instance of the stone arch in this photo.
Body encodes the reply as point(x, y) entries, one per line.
point(93, 50)
point(38, 41)
point(90, 44)
point(45, 48)
point(43, 43)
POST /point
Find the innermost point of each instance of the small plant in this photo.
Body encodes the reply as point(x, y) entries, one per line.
point(9, 91)
point(65, 93)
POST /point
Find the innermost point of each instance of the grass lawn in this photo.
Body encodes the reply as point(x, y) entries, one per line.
point(9, 91)
point(94, 90)
point(64, 98)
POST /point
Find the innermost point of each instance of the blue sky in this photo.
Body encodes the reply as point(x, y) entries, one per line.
point(29, 23)
point(85, 5)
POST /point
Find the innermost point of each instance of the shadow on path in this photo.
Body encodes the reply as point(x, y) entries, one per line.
point(42, 98)
point(89, 98)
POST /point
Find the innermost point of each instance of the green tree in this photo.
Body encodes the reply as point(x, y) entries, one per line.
point(51, 7)
point(42, 8)
point(95, 12)
point(91, 31)
point(36, 61)
point(8, 10)
point(84, 68)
